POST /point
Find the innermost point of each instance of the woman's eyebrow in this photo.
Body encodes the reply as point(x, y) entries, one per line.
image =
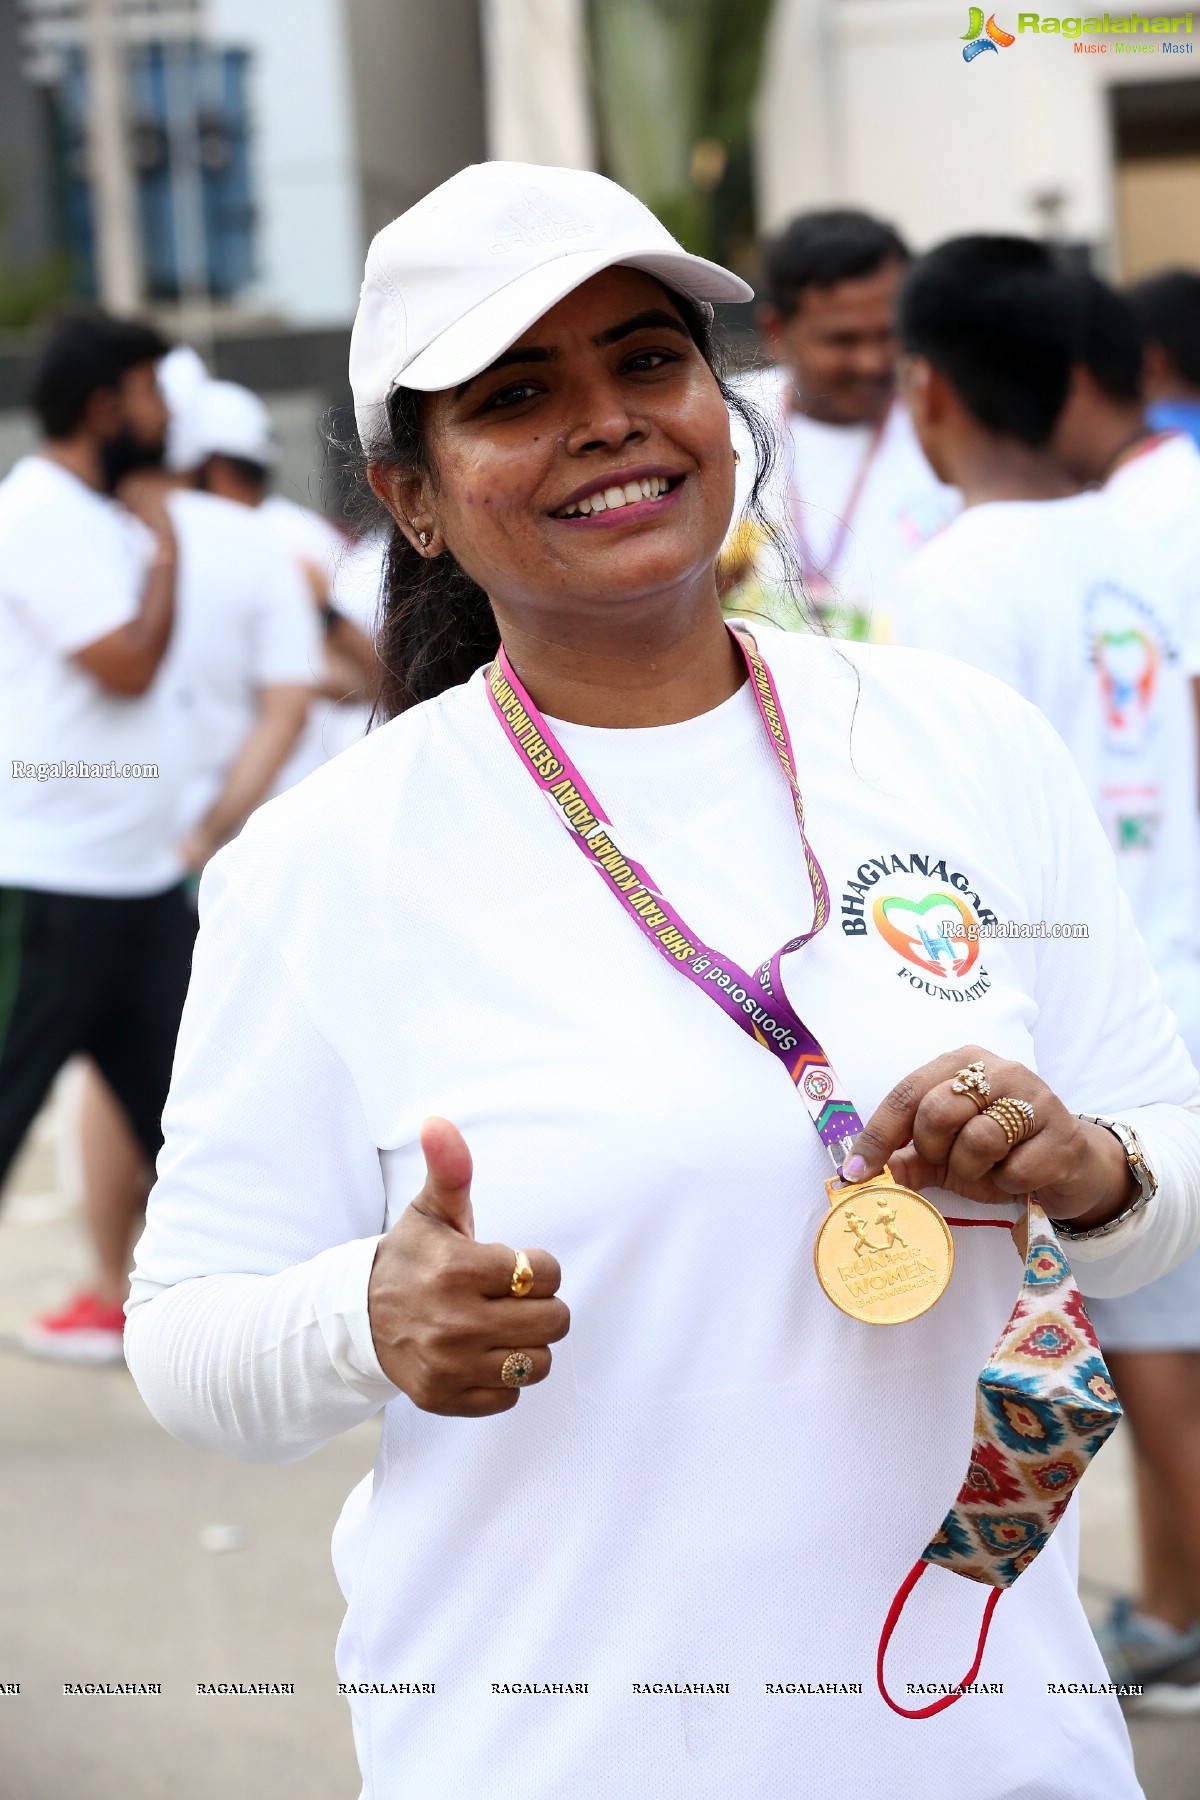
point(656, 316)
point(520, 353)
point(540, 353)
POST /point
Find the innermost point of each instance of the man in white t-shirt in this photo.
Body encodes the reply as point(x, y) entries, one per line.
point(95, 929)
point(233, 441)
point(237, 682)
point(1168, 309)
point(1089, 616)
point(1151, 480)
point(240, 669)
point(1106, 438)
point(854, 495)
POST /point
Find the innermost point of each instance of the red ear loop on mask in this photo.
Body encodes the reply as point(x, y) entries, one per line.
point(889, 1625)
point(909, 1583)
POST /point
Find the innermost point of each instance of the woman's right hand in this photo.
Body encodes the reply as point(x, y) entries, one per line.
point(443, 1315)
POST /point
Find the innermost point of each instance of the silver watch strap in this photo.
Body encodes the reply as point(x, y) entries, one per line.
point(1139, 1168)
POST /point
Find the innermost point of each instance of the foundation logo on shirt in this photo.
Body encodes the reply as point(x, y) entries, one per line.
point(927, 913)
point(1127, 646)
point(927, 931)
point(979, 37)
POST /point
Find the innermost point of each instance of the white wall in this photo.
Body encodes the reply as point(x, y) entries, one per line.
point(907, 129)
point(303, 155)
point(417, 78)
point(537, 80)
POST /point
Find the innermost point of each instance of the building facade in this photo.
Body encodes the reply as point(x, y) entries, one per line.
point(1092, 137)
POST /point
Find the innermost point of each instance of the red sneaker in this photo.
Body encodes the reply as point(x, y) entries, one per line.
point(86, 1330)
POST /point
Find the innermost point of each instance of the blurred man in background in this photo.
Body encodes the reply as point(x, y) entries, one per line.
point(1045, 586)
point(236, 682)
point(1151, 1337)
point(855, 494)
point(235, 445)
point(1168, 306)
point(236, 442)
point(242, 669)
point(95, 927)
point(1105, 437)
point(1091, 618)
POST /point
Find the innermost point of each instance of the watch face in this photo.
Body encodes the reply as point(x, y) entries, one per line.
point(1143, 1174)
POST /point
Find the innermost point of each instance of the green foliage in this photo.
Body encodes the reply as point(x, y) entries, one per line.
point(27, 294)
point(671, 75)
point(736, 57)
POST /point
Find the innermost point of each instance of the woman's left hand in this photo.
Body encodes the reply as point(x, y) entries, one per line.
point(929, 1136)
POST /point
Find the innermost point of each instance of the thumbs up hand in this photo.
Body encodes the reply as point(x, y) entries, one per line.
point(443, 1314)
point(448, 1170)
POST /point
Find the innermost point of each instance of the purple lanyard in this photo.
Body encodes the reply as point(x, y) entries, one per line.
point(819, 575)
point(757, 1003)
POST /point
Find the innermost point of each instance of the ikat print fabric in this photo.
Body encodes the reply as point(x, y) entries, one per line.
point(1045, 1403)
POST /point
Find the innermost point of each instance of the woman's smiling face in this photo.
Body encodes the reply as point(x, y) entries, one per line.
point(589, 467)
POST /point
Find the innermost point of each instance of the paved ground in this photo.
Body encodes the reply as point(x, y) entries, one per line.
point(104, 1576)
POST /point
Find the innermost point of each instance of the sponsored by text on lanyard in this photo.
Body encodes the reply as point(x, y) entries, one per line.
point(755, 1002)
point(1068, 1399)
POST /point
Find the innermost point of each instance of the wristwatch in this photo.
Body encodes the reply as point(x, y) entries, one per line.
point(1139, 1168)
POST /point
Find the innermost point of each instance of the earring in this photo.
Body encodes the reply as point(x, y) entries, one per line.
point(736, 459)
point(423, 537)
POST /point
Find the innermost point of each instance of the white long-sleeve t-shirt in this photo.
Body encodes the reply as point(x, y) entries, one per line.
point(724, 1480)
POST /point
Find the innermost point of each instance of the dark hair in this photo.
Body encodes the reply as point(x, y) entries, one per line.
point(819, 249)
point(82, 354)
point(995, 316)
point(437, 626)
point(1168, 306)
point(1109, 339)
point(243, 468)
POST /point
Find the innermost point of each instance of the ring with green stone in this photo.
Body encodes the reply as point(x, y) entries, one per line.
point(516, 1369)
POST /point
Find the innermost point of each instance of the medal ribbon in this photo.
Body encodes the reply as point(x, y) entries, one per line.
point(804, 550)
point(757, 1003)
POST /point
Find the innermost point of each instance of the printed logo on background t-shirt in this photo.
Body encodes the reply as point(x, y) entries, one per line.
point(924, 518)
point(1127, 646)
point(927, 913)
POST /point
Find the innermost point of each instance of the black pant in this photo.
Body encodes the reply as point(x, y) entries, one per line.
point(106, 977)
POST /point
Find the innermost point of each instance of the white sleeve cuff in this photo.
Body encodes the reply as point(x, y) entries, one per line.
point(262, 1367)
point(340, 1302)
point(1161, 1235)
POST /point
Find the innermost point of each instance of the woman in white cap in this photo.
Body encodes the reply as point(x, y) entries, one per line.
point(435, 1066)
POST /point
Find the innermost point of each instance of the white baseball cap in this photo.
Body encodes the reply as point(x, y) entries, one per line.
point(461, 275)
point(181, 375)
point(225, 419)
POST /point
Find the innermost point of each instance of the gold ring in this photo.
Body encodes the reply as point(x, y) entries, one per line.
point(522, 1275)
point(1014, 1117)
point(973, 1082)
point(516, 1369)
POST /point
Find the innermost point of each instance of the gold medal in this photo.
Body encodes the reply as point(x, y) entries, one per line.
point(884, 1253)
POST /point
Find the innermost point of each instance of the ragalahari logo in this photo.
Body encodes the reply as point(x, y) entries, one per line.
point(979, 37)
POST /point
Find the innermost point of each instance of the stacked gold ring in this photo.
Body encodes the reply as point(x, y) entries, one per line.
point(973, 1082)
point(1014, 1117)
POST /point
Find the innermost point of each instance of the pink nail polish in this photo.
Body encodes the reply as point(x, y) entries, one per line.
point(853, 1169)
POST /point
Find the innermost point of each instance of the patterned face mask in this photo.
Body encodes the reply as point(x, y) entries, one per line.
point(1044, 1405)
